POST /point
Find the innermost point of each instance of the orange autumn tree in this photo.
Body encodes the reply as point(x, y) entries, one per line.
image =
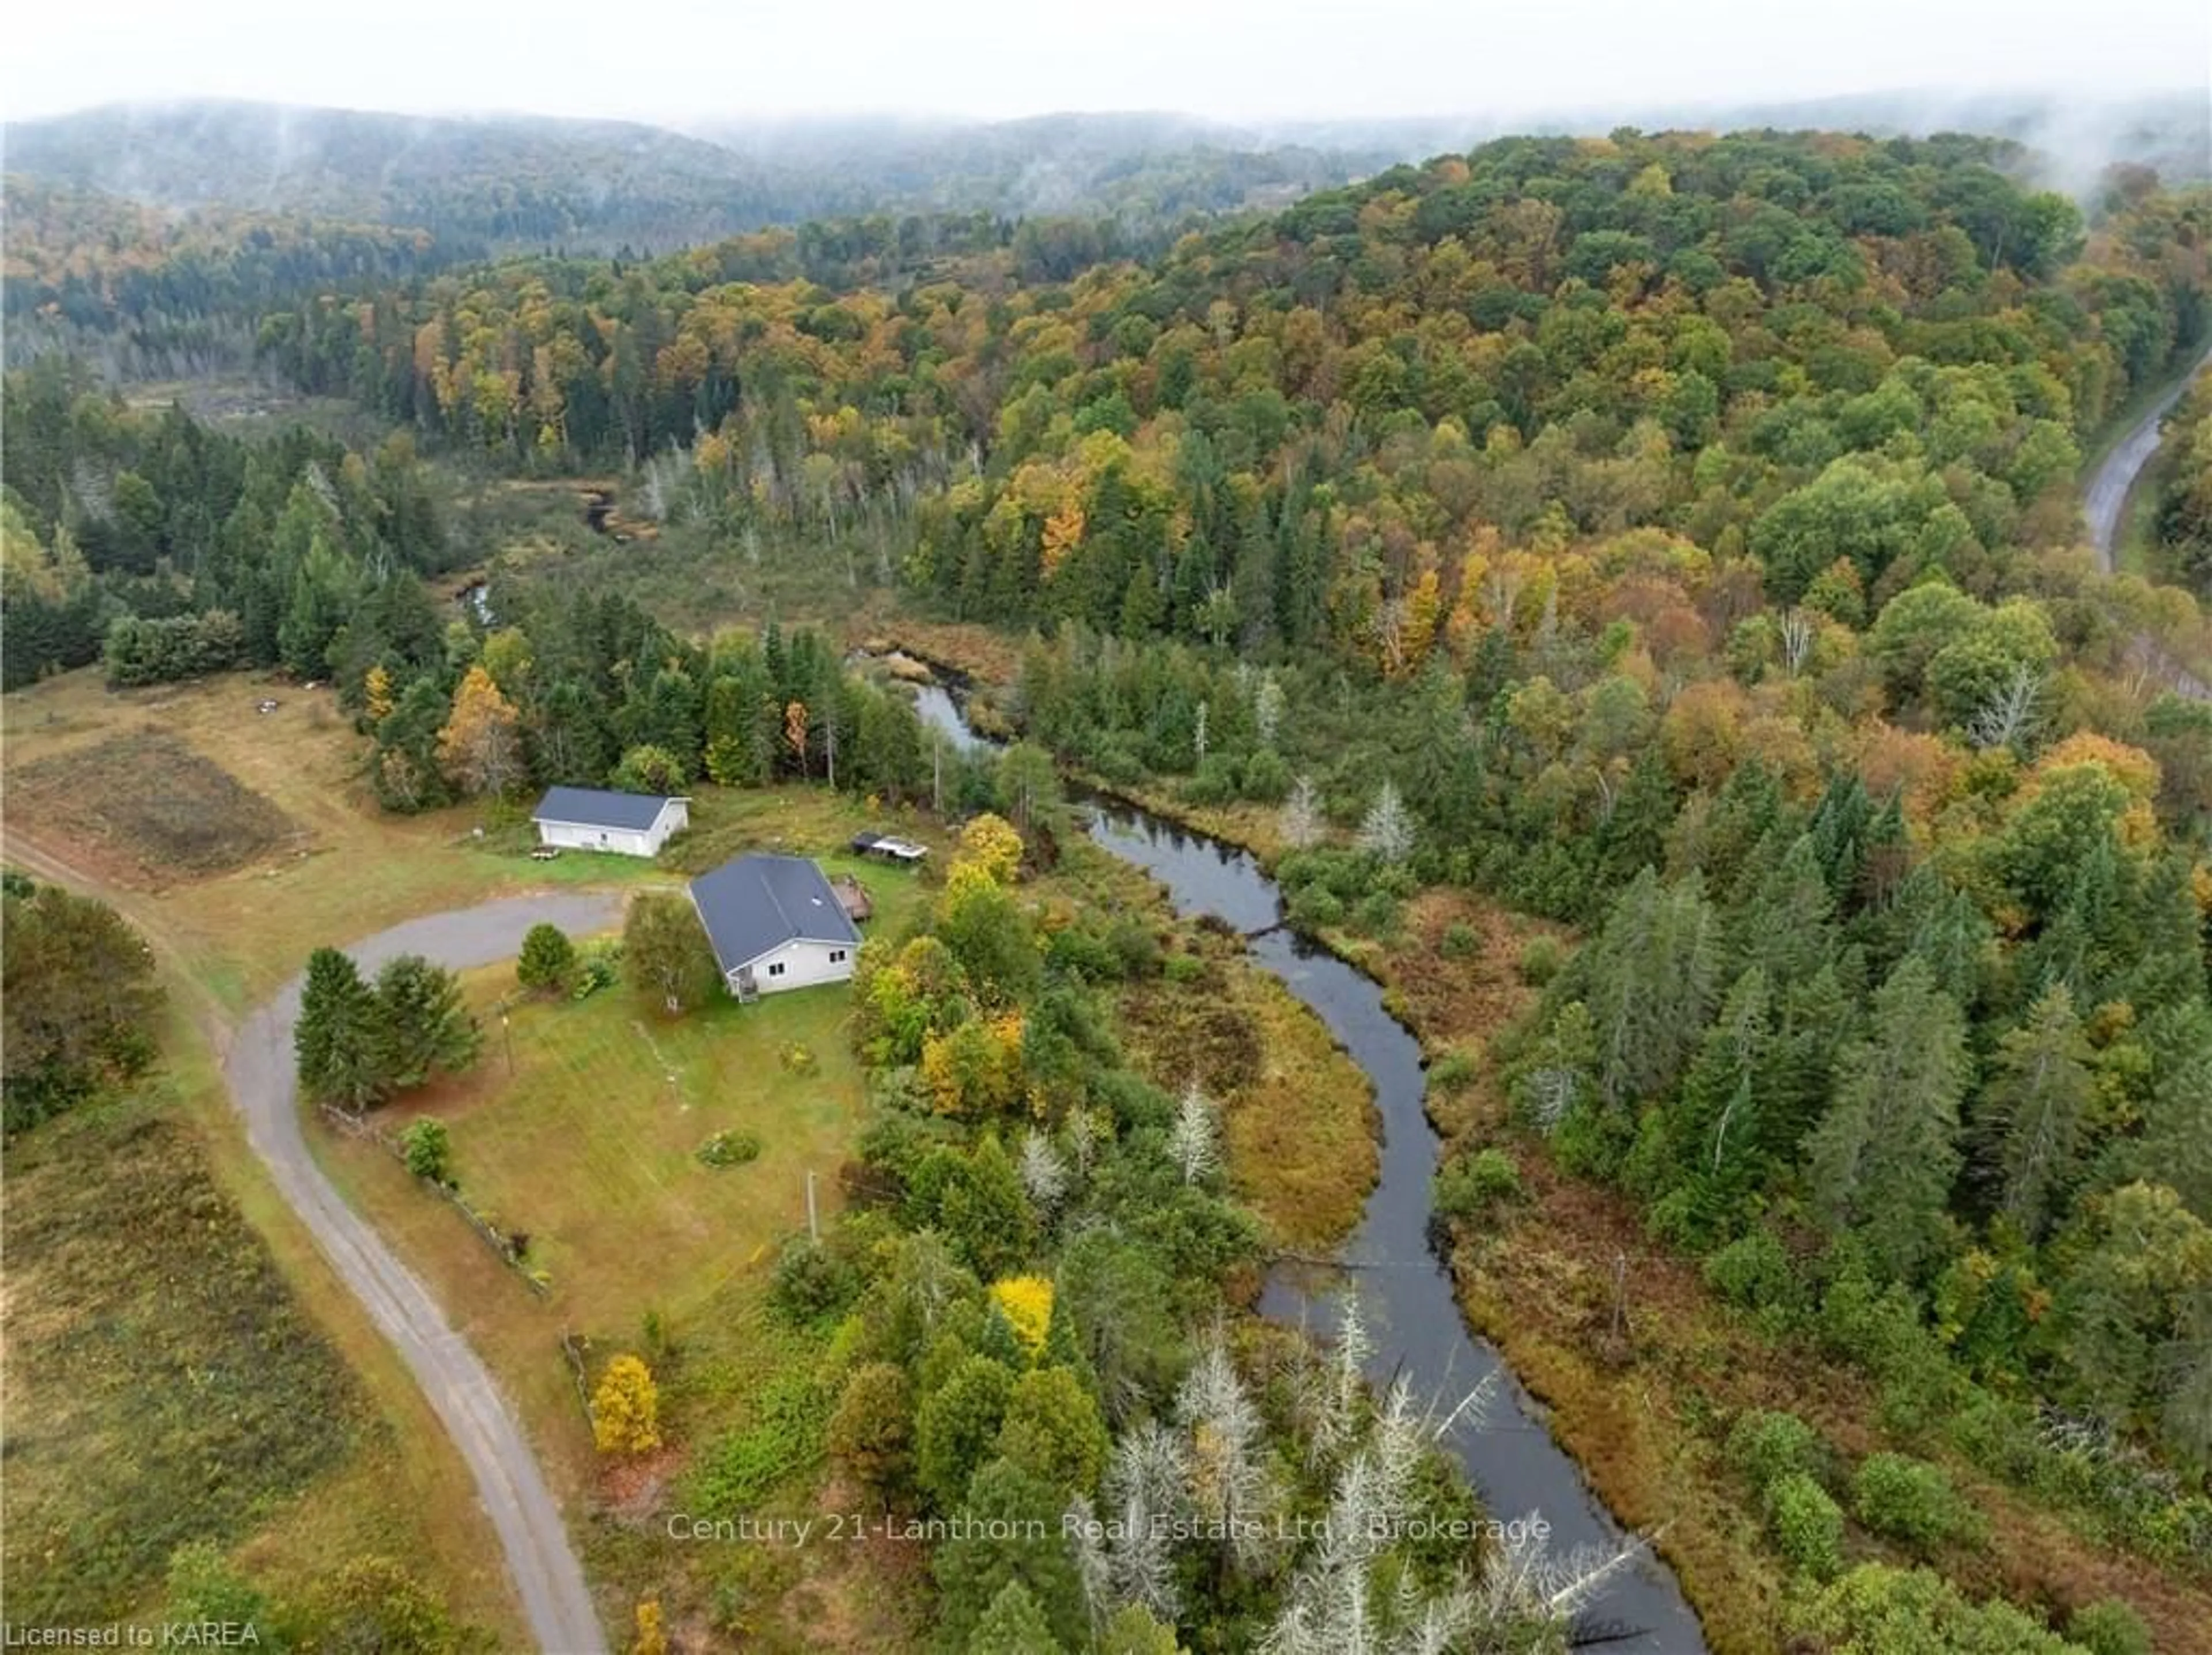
point(480, 747)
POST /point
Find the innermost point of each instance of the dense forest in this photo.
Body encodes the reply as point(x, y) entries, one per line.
point(147, 293)
point(1675, 537)
point(183, 551)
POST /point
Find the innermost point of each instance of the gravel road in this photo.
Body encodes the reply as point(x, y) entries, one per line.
point(259, 1067)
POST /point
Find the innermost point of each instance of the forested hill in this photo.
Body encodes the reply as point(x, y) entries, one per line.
point(534, 183)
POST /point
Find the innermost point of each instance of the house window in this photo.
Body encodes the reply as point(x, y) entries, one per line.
point(776, 970)
point(836, 956)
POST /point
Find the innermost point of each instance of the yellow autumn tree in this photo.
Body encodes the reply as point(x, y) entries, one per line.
point(990, 843)
point(975, 1068)
point(650, 1640)
point(626, 1408)
point(1026, 1303)
point(480, 746)
point(1063, 533)
point(794, 732)
point(376, 694)
point(1423, 609)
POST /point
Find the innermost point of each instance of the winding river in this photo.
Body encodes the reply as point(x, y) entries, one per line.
point(1404, 1293)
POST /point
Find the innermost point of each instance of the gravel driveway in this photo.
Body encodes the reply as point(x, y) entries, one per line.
point(547, 1577)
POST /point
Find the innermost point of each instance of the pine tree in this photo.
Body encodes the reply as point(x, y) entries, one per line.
point(2034, 1108)
point(423, 1025)
point(1882, 1159)
point(2176, 1146)
point(337, 1041)
point(1013, 1625)
point(1786, 927)
point(1653, 977)
point(1714, 1130)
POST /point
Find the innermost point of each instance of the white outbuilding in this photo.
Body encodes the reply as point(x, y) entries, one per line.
point(626, 823)
point(775, 923)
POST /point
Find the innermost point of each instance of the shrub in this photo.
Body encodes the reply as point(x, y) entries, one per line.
point(1540, 960)
point(1083, 952)
point(1316, 908)
point(1807, 1525)
point(1267, 777)
point(548, 959)
point(1471, 1184)
point(811, 1281)
point(429, 1150)
point(599, 966)
point(1767, 1446)
point(729, 1148)
point(1459, 941)
point(1754, 1271)
point(1184, 968)
point(1909, 1500)
point(2109, 1627)
point(626, 1408)
point(1135, 947)
point(1376, 915)
point(1453, 1072)
point(648, 769)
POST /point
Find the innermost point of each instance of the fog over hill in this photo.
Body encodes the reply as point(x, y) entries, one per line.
point(514, 181)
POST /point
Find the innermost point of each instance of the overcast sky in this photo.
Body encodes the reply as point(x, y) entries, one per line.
point(1241, 60)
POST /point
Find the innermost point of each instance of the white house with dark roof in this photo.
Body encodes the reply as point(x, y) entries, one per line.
point(775, 923)
point(592, 819)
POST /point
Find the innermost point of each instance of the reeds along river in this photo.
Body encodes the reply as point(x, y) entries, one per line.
point(1403, 1292)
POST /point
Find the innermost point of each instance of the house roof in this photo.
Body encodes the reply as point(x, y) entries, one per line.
point(753, 905)
point(597, 807)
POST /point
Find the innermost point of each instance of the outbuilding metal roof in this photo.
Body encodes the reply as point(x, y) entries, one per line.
point(599, 808)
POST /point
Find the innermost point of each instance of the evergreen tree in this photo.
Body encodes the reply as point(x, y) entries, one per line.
point(548, 957)
point(1882, 1159)
point(2176, 1145)
point(1652, 980)
point(424, 1029)
point(338, 1042)
point(974, 1574)
point(1013, 1625)
point(2033, 1110)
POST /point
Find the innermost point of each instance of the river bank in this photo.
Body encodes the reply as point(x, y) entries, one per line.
point(1513, 1457)
point(1627, 1359)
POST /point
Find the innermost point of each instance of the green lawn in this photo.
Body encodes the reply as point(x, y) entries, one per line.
point(590, 1146)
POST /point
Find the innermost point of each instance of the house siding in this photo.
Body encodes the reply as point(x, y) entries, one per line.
point(623, 842)
point(805, 964)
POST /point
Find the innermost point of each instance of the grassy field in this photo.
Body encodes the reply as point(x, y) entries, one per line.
point(169, 1383)
point(244, 914)
point(587, 1138)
